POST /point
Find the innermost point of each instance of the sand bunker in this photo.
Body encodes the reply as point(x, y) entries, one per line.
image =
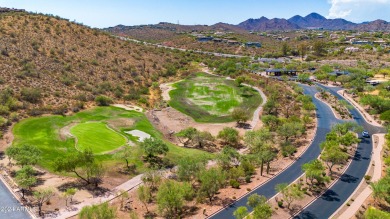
point(140, 134)
point(129, 107)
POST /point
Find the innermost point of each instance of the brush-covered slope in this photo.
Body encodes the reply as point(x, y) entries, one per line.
point(48, 63)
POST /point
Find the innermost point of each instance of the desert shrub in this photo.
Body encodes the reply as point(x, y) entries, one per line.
point(103, 100)
point(288, 149)
point(248, 179)
point(32, 95)
point(234, 184)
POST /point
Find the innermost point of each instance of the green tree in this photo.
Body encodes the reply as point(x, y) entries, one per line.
point(194, 137)
point(241, 212)
point(189, 167)
point(101, 211)
point(373, 213)
point(229, 135)
point(68, 194)
point(319, 48)
point(314, 170)
point(289, 193)
point(262, 211)
point(259, 143)
point(42, 196)
point(240, 115)
point(25, 178)
point(290, 129)
point(152, 179)
point(171, 196)
point(332, 154)
point(228, 158)
point(270, 121)
point(304, 77)
point(24, 154)
point(83, 164)
point(349, 139)
point(211, 181)
point(153, 147)
point(144, 195)
point(126, 154)
point(381, 189)
point(285, 49)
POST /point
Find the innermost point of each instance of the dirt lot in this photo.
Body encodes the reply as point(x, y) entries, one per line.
point(169, 120)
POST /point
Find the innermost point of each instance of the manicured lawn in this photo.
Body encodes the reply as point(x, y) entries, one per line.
point(208, 98)
point(44, 133)
point(97, 136)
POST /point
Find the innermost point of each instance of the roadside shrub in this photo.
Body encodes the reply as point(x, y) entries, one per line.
point(103, 100)
point(288, 150)
point(280, 204)
point(248, 179)
point(367, 177)
point(234, 184)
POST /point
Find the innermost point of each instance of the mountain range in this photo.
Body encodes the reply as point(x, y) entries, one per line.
point(311, 21)
point(297, 22)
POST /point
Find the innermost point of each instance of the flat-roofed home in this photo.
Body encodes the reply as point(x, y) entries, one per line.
point(204, 39)
point(280, 72)
point(253, 44)
point(233, 42)
point(339, 73)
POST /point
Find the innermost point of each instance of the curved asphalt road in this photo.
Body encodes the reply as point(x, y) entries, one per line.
point(10, 208)
point(326, 120)
point(333, 198)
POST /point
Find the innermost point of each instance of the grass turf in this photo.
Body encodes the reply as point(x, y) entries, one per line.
point(208, 98)
point(43, 132)
point(97, 136)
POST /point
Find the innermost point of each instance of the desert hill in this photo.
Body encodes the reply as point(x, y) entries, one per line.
point(50, 64)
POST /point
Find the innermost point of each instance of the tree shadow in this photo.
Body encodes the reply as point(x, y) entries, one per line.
point(330, 195)
point(305, 215)
point(348, 178)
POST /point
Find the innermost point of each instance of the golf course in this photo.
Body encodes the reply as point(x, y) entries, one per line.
point(101, 129)
point(211, 99)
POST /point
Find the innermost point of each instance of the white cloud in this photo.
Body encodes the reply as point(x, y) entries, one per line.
point(357, 8)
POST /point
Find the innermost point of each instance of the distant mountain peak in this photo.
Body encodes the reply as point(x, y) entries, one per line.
point(315, 16)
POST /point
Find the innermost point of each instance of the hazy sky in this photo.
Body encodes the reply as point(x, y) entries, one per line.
point(105, 13)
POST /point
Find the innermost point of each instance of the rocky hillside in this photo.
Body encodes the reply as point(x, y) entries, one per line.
point(377, 25)
point(48, 64)
point(265, 24)
point(167, 31)
point(315, 20)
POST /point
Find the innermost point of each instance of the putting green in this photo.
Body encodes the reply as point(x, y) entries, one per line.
point(208, 98)
point(97, 136)
point(47, 133)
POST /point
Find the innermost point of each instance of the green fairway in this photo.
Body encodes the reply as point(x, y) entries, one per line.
point(97, 136)
point(208, 98)
point(44, 132)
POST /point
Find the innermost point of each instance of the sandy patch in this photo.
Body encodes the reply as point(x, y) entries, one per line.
point(129, 107)
point(120, 123)
point(140, 134)
point(64, 132)
point(165, 89)
point(170, 121)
